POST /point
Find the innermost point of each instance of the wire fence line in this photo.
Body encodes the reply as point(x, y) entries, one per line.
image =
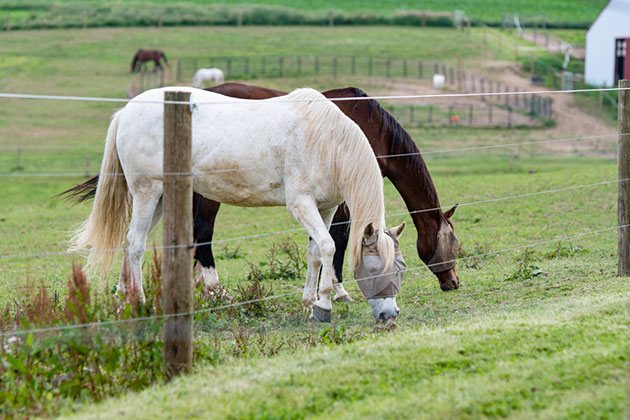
point(565, 237)
point(280, 100)
point(235, 304)
point(281, 232)
point(21, 149)
point(348, 159)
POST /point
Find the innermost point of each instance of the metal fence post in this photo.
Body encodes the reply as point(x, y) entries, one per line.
point(623, 198)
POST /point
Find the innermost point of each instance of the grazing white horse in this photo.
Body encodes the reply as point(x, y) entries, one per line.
point(298, 150)
point(214, 74)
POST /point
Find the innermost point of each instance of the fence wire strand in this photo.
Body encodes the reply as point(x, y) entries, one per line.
point(281, 232)
point(235, 304)
point(278, 101)
point(614, 136)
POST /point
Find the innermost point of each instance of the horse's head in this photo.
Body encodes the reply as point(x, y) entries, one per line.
point(442, 263)
point(378, 284)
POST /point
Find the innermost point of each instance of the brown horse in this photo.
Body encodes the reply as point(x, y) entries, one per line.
point(144, 56)
point(436, 243)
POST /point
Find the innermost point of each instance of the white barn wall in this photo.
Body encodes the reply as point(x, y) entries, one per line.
point(613, 22)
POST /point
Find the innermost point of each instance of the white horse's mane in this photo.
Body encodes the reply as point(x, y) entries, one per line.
point(342, 147)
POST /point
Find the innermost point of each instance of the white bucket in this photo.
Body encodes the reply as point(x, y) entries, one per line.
point(438, 81)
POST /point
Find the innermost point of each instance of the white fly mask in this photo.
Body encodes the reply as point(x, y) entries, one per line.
point(379, 287)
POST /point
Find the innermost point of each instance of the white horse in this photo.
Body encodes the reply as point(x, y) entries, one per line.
point(299, 150)
point(214, 74)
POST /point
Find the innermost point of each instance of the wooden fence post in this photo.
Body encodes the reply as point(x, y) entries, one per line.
point(623, 198)
point(177, 287)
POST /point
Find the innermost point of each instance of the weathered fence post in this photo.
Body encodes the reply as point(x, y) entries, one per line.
point(623, 200)
point(177, 287)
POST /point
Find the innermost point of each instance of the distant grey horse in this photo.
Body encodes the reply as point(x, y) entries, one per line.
point(201, 75)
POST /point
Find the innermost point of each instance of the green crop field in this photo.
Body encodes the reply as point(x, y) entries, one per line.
point(72, 13)
point(538, 329)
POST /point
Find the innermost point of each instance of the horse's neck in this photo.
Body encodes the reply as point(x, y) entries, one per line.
point(412, 179)
point(409, 174)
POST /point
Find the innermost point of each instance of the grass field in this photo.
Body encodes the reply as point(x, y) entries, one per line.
point(537, 330)
point(148, 12)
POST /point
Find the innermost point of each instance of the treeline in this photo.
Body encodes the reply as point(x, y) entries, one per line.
point(43, 15)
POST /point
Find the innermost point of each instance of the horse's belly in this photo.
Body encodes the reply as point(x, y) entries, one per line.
point(239, 188)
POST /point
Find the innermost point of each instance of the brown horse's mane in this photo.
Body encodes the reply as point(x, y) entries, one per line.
point(400, 142)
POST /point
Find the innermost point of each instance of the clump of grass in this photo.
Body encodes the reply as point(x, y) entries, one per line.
point(473, 258)
point(253, 292)
point(336, 335)
point(285, 261)
point(565, 250)
point(230, 254)
point(526, 268)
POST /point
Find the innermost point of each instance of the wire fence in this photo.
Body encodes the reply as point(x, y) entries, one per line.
point(477, 202)
point(537, 106)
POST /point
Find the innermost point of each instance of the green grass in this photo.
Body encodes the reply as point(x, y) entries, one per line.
point(49, 14)
point(544, 358)
point(508, 343)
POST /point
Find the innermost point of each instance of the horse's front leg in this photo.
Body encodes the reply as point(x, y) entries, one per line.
point(306, 212)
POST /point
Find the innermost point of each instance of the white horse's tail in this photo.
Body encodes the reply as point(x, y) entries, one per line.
point(104, 230)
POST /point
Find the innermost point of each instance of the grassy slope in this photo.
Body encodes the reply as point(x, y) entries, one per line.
point(486, 10)
point(561, 357)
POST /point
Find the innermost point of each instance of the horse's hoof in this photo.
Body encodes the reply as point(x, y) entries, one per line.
point(343, 298)
point(321, 314)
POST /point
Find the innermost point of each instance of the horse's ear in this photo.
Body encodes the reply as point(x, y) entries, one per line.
point(450, 213)
point(369, 231)
point(397, 231)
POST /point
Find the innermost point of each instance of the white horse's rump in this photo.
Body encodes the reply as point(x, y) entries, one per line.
point(299, 150)
point(213, 74)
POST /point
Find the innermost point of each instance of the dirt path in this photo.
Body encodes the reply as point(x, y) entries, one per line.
point(571, 120)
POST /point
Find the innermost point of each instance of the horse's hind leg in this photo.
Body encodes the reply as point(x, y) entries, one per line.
point(205, 213)
point(143, 214)
point(340, 232)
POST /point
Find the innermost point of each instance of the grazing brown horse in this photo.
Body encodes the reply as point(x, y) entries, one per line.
point(144, 56)
point(399, 160)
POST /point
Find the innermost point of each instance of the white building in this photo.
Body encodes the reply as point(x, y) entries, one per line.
point(607, 41)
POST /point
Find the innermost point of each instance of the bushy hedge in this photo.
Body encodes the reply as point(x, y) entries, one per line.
point(71, 15)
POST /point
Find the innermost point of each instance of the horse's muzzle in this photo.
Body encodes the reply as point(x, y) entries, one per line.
point(448, 280)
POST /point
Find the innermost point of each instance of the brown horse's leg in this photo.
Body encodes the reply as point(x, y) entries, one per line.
point(204, 214)
point(340, 232)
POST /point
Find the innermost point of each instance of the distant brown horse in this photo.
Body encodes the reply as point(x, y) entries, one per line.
point(144, 56)
point(436, 244)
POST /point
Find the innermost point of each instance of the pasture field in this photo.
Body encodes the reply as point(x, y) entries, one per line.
point(538, 329)
point(490, 11)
